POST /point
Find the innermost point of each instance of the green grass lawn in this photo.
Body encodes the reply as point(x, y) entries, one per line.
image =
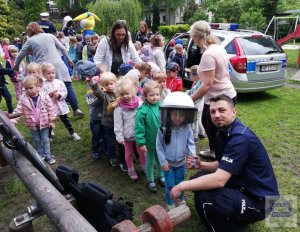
point(273, 115)
point(292, 58)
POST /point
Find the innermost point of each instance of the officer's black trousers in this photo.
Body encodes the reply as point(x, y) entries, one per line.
point(222, 209)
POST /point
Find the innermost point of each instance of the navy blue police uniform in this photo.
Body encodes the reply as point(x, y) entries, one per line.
point(242, 199)
point(47, 26)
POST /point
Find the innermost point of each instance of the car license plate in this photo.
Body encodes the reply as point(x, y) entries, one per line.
point(268, 68)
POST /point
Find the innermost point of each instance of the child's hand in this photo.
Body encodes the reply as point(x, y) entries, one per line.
point(143, 149)
point(193, 162)
point(165, 167)
point(121, 142)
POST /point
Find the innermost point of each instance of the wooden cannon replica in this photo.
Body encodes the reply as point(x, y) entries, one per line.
point(45, 188)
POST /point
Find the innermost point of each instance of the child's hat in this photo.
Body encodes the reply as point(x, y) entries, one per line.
point(192, 70)
point(173, 67)
point(44, 14)
point(87, 68)
point(124, 68)
point(178, 41)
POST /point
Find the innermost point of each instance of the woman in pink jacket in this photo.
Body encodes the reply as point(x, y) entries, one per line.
point(39, 115)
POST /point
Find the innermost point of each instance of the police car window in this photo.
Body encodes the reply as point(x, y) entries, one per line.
point(230, 48)
point(258, 45)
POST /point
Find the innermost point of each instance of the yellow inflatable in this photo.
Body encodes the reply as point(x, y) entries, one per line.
point(87, 23)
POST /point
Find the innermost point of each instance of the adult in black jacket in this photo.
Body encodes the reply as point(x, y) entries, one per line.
point(3, 89)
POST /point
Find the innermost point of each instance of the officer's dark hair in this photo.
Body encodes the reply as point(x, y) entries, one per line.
point(223, 98)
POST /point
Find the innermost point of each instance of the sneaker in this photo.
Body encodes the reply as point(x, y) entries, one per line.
point(52, 133)
point(51, 161)
point(114, 162)
point(132, 174)
point(152, 187)
point(124, 167)
point(95, 155)
point(170, 207)
point(207, 154)
point(78, 113)
point(75, 137)
point(162, 181)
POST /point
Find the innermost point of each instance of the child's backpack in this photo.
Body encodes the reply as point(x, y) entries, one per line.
point(93, 201)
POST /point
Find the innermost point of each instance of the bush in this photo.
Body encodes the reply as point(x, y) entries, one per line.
point(169, 31)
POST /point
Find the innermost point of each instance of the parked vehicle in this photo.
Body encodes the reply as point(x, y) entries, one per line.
point(256, 62)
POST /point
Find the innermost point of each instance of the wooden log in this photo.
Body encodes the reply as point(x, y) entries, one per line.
point(62, 214)
point(178, 216)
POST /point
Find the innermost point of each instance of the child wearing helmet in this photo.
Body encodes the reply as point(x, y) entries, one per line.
point(174, 83)
point(175, 141)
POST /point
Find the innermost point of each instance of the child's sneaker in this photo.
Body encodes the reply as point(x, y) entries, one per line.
point(162, 181)
point(152, 187)
point(75, 137)
point(124, 167)
point(51, 161)
point(132, 174)
point(114, 162)
point(95, 155)
point(78, 113)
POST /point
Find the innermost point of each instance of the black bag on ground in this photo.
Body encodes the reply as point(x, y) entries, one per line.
point(93, 201)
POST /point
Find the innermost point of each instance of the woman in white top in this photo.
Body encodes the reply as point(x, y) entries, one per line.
point(214, 76)
point(116, 49)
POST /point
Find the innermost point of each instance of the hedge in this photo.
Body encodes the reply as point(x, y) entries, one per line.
point(169, 31)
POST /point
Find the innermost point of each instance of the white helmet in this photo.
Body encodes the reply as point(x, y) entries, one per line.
point(178, 102)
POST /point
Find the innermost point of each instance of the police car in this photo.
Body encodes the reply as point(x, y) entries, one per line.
point(256, 62)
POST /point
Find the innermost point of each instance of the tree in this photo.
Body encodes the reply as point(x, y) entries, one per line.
point(109, 12)
point(200, 14)
point(33, 9)
point(253, 19)
point(190, 10)
point(269, 8)
point(5, 26)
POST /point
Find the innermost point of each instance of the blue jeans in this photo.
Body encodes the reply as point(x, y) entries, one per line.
point(71, 97)
point(97, 134)
point(109, 141)
point(6, 95)
point(174, 176)
point(41, 142)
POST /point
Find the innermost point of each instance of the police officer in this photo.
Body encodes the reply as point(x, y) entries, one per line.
point(45, 24)
point(232, 189)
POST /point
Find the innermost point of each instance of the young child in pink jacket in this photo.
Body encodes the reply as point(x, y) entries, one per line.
point(39, 115)
point(57, 91)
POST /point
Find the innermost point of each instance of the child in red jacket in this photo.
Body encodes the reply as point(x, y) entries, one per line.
point(174, 83)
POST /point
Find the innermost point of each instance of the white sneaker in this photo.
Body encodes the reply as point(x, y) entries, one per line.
point(75, 136)
point(170, 207)
point(51, 161)
point(52, 133)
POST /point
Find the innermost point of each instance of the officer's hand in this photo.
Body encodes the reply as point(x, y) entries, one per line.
point(176, 192)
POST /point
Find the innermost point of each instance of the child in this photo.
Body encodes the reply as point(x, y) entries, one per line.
point(89, 69)
point(124, 123)
point(138, 47)
point(39, 114)
point(16, 78)
point(107, 81)
point(174, 83)
point(179, 58)
point(145, 72)
point(34, 69)
point(4, 44)
point(161, 77)
point(57, 91)
point(134, 76)
point(175, 140)
point(198, 129)
point(3, 88)
point(73, 49)
point(146, 127)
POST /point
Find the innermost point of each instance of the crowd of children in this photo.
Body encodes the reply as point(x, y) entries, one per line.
point(124, 109)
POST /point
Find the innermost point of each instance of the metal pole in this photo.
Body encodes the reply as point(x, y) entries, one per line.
point(62, 214)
